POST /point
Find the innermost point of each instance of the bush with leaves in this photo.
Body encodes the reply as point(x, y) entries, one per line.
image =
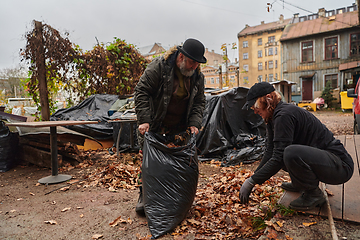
point(327, 94)
point(114, 68)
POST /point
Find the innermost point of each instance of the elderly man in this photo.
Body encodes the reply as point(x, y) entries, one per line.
point(169, 97)
point(298, 143)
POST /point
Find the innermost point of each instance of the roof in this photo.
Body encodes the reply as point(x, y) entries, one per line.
point(264, 27)
point(320, 25)
point(283, 81)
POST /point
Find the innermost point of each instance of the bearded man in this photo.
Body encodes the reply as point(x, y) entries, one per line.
point(169, 97)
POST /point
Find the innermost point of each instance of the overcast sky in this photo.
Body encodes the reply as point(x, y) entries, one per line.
point(144, 22)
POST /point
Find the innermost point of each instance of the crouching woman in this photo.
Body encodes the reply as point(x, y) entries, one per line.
point(299, 143)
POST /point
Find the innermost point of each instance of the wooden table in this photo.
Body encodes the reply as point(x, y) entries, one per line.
point(122, 121)
point(55, 177)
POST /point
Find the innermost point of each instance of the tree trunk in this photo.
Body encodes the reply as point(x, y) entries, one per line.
point(40, 63)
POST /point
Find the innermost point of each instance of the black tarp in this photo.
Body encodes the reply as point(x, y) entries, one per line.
point(94, 108)
point(229, 132)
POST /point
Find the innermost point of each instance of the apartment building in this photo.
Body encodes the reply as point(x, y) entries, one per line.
point(259, 52)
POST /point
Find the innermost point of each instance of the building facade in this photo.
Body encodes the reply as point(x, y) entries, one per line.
point(259, 52)
point(314, 46)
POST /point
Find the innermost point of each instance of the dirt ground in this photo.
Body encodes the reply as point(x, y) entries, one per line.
point(32, 211)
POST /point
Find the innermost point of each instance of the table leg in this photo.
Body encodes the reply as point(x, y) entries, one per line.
point(132, 135)
point(118, 139)
point(55, 177)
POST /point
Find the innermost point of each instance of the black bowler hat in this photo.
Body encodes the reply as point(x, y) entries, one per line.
point(256, 91)
point(193, 49)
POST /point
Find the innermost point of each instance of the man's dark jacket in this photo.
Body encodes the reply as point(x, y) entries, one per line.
point(154, 90)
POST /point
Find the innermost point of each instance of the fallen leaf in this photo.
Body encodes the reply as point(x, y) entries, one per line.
point(329, 193)
point(79, 207)
point(81, 215)
point(65, 209)
point(12, 210)
point(38, 184)
point(51, 222)
point(20, 199)
point(309, 224)
point(117, 221)
point(96, 236)
point(32, 194)
point(65, 188)
point(53, 202)
point(272, 234)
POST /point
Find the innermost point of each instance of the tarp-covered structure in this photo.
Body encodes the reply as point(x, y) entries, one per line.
point(228, 133)
point(94, 108)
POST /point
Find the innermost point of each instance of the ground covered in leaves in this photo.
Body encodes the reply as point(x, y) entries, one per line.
point(99, 202)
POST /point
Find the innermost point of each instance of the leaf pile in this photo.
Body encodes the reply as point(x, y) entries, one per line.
point(117, 174)
point(217, 212)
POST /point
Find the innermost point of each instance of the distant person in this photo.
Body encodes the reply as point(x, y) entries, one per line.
point(298, 143)
point(169, 97)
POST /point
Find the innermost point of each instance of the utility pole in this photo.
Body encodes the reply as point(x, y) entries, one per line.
point(220, 77)
point(226, 66)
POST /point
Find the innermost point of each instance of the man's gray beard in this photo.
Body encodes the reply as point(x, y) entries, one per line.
point(185, 72)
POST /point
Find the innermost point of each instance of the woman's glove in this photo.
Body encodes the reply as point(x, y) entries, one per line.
point(245, 190)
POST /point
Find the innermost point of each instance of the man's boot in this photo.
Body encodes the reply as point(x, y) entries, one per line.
point(308, 200)
point(288, 186)
point(140, 204)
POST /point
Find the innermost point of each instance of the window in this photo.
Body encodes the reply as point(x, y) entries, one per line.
point(260, 66)
point(331, 48)
point(270, 51)
point(232, 78)
point(355, 44)
point(245, 55)
point(259, 41)
point(271, 77)
point(271, 39)
point(265, 65)
point(275, 50)
point(276, 76)
point(217, 80)
point(307, 51)
point(246, 80)
point(245, 44)
point(259, 53)
point(271, 64)
point(211, 80)
point(333, 78)
point(275, 63)
point(265, 52)
point(260, 78)
point(246, 67)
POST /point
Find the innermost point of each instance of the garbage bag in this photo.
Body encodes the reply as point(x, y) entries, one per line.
point(170, 177)
point(8, 145)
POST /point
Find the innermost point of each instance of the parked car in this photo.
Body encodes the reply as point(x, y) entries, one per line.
point(355, 93)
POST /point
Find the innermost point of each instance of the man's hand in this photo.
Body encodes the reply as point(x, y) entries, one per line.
point(194, 130)
point(144, 128)
point(245, 190)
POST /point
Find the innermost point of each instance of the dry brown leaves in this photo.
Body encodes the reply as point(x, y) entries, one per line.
point(119, 173)
point(217, 212)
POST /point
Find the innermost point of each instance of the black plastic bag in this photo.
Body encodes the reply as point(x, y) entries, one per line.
point(170, 177)
point(8, 145)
